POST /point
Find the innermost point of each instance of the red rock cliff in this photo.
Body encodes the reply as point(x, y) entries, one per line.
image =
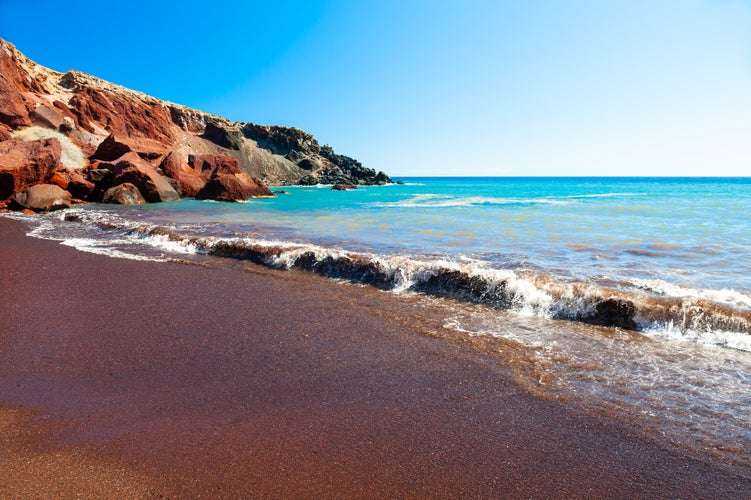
point(96, 123)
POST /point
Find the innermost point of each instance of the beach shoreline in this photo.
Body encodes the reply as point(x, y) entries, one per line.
point(139, 379)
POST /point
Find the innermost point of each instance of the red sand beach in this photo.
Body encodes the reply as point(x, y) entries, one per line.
point(122, 378)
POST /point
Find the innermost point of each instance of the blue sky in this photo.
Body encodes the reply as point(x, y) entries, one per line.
point(534, 87)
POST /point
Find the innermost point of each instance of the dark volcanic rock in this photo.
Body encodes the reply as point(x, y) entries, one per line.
point(382, 178)
point(325, 166)
point(343, 187)
point(23, 164)
point(308, 164)
point(281, 140)
point(124, 194)
point(614, 312)
point(98, 175)
point(223, 136)
point(308, 180)
point(233, 187)
point(43, 198)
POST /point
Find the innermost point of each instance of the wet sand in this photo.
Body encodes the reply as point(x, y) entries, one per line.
point(123, 378)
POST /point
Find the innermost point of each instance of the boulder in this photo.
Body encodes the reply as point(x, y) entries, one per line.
point(190, 181)
point(233, 187)
point(100, 177)
point(614, 312)
point(114, 146)
point(43, 198)
point(65, 110)
point(209, 165)
point(111, 148)
point(153, 186)
point(343, 187)
point(381, 178)
point(73, 182)
point(124, 194)
point(47, 117)
point(24, 164)
point(98, 171)
point(308, 180)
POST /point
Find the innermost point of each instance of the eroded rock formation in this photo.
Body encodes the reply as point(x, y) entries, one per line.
point(85, 136)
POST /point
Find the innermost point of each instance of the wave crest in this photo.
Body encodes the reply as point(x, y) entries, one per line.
point(649, 307)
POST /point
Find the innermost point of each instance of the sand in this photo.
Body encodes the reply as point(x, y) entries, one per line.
point(122, 378)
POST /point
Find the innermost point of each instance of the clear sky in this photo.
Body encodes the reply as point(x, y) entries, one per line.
point(444, 87)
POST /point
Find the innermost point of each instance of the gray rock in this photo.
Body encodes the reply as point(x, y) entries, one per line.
point(124, 194)
point(43, 198)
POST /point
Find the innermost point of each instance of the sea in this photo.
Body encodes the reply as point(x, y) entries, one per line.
point(632, 294)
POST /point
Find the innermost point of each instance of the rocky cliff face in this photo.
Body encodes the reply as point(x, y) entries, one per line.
point(68, 128)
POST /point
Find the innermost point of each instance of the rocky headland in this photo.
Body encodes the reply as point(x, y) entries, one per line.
point(71, 137)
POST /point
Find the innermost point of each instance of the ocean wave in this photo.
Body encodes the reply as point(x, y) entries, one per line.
point(443, 201)
point(105, 248)
point(602, 195)
point(716, 317)
point(725, 296)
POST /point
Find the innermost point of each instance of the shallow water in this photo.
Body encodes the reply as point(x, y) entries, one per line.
point(635, 294)
point(696, 395)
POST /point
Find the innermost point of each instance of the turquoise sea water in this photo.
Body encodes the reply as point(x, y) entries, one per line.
point(633, 293)
point(692, 232)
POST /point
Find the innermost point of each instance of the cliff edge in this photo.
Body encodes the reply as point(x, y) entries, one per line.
point(89, 137)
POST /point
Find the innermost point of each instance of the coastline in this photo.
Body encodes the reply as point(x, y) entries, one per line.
point(137, 378)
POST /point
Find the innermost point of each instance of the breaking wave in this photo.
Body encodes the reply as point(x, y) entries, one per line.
point(713, 317)
point(443, 201)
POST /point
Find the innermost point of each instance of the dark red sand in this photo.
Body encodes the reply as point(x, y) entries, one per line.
point(121, 378)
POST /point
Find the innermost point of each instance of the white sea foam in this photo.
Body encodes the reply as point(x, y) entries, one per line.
point(106, 248)
point(720, 338)
point(725, 296)
point(602, 195)
point(442, 201)
point(164, 242)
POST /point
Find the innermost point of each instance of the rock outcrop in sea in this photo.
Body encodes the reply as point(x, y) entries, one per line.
point(98, 141)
